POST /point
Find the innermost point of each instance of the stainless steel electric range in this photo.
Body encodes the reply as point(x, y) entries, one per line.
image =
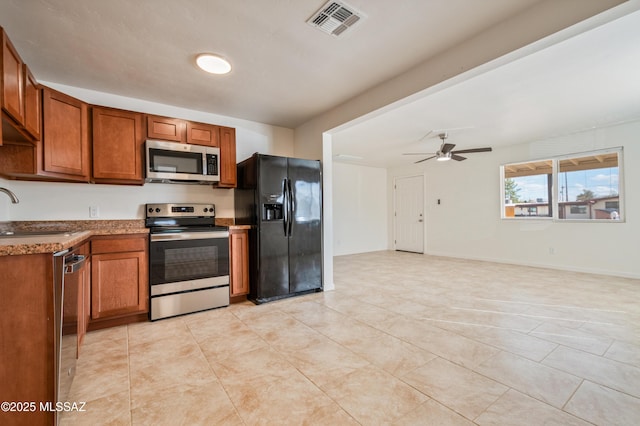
point(188, 260)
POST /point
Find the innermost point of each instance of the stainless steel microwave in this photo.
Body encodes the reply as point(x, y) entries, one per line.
point(173, 162)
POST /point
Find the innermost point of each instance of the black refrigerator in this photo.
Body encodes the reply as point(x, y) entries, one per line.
point(282, 199)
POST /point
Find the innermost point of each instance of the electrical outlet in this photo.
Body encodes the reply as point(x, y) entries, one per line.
point(552, 250)
point(94, 211)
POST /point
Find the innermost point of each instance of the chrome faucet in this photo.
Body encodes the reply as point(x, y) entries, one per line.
point(14, 198)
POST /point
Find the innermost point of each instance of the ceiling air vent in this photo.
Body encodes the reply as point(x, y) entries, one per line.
point(335, 18)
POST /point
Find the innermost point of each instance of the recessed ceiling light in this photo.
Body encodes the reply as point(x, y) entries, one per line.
point(213, 64)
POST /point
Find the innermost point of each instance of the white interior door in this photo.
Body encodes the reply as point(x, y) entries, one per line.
point(409, 214)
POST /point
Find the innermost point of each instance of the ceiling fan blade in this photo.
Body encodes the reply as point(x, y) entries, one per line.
point(446, 147)
point(424, 159)
point(457, 157)
point(467, 151)
point(418, 153)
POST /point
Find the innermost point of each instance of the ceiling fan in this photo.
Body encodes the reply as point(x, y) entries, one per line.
point(446, 151)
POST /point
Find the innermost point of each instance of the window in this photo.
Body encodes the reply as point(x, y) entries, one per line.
point(578, 209)
point(612, 205)
point(587, 187)
point(528, 189)
point(591, 182)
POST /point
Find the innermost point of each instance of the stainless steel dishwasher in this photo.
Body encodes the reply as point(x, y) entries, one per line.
point(65, 264)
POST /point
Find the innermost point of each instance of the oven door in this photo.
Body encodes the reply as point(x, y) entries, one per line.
point(188, 272)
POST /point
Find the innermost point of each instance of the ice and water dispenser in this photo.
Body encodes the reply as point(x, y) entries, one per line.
point(272, 211)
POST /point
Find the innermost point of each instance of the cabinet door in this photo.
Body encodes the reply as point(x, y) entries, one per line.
point(227, 157)
point(12, 87)
point(118, 284)
point(168, 129)
point(202, 134)
point(118, 146)
point(29, 358)
point(65, 136)
point(239, 253)
point(32, 104)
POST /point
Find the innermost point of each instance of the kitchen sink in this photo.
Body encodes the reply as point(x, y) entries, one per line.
point(34, 233)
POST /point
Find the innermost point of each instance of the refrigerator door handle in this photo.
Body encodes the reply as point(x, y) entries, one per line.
point(285, 219)
point(291, 207)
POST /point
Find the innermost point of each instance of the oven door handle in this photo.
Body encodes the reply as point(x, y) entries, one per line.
point(181, 236)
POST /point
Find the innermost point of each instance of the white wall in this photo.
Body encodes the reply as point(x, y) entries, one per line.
point(360, 209)
point(71, 201)
point(467, 223)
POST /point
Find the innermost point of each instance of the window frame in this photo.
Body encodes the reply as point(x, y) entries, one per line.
point(554, 203)
point(503, 204)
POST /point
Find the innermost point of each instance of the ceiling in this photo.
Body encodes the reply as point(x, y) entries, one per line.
point(285, 71)
point(584, 82)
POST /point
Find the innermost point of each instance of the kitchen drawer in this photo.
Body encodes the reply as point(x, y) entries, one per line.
point(118, 244)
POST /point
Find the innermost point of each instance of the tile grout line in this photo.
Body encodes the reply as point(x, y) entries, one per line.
point(215, 374)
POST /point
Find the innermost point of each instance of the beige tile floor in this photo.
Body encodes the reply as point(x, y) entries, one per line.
point(404, 339)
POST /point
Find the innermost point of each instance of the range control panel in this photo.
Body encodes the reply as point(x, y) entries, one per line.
point(180, 210)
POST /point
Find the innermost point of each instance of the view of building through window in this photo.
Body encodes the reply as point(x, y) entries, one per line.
point(588, 188)
point(527, 189)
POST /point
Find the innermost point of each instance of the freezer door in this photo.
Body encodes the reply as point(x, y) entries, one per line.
point(273, 249)
point(305, 241)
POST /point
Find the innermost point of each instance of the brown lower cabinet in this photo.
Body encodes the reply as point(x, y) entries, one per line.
point(239, 254)
point(27, 336)
point(119, 279)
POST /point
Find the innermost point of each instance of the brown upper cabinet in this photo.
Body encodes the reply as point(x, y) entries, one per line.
point(228, 175)
point(65, 136)
point(32, 104)
point(118, 146)
point(167, 129)
point(62, 154)
point(202, 134)
point(12, 81)
point(19, 97)
point(183, 131)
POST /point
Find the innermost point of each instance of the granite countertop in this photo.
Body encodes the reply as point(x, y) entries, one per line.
point(69, 233)
point(64, 234)
point(231, 223)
